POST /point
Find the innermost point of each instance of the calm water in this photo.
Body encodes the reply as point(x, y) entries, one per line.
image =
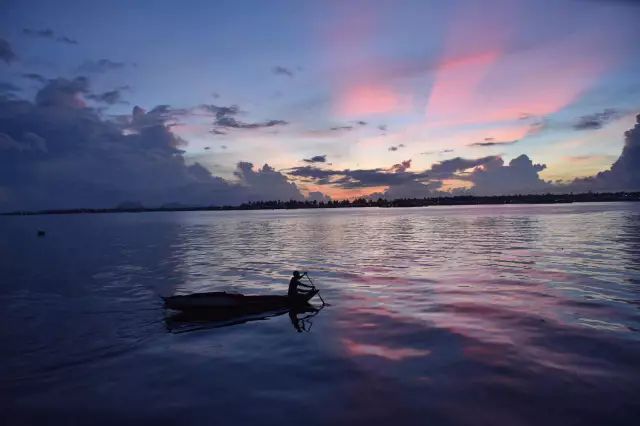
point(490, 315)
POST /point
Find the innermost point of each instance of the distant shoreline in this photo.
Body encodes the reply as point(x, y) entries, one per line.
point(361, 202)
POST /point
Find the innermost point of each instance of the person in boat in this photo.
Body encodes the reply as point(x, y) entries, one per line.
point(297, 288)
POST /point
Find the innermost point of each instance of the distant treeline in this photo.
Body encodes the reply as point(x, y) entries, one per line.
point(362, 202)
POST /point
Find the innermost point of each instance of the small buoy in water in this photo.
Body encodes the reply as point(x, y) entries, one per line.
point(41, 233)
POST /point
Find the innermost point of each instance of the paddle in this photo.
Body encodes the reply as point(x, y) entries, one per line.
point(313, 285)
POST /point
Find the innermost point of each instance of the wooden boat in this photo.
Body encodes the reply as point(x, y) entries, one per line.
point(234, 302)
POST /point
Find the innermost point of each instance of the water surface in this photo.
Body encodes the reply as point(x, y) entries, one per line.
point(496, 315)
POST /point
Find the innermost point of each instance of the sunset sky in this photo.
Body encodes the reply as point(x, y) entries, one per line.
point(361, 90)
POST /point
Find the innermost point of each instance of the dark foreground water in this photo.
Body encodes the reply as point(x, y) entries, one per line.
point(514, 315)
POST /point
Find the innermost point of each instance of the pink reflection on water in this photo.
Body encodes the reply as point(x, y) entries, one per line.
point(497, 322)
point(354, 348)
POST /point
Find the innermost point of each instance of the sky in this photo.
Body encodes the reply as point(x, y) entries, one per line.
point(222, 102)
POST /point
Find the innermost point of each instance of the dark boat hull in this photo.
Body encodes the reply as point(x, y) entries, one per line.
point(199, 319)
point(221, 301)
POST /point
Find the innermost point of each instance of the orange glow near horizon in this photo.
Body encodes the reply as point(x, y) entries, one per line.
point(450, 184)
point(337, 193)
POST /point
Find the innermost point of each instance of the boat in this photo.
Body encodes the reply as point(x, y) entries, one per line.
point(199, 319)
point(222, 301)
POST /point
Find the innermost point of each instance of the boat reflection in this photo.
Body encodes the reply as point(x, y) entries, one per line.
point(301, 318)
point(186, 321)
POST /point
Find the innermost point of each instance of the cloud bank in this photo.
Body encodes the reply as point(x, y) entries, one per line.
point(56, 152)
point(624, 174)
point(484, 176)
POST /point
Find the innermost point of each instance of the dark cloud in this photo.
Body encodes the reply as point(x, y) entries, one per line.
point(361, 123)
point(447, 168)
point(6, 52)
point(488, 175)
point(520, 176)
point(597, 120)
point(160, 115)
point(8, 88)
point(341, 128)
point(35, 77)
point(233, 123)
point(63, 93)
point(215, 95)
point(101, 66)
point(382, 127)
point(401, 167)
point(396, 175)
point(410, 189)
point(58, 153)
point(221, 111)
point(318, 196)
point(313, 172)
point(67, 40)
point(266, 180)
point(225, 119)
point(624, 173)
point(45, 33)
point(27, 142)
point(493, 142)
point(280, 70)
point(110, 97)
point(371, 178)
point(316, 159)
point(396, 147)
point(114, 96)
point(48, 33)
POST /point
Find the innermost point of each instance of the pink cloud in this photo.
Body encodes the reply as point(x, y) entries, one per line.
point(494, 86)
point(368, 99)
point(456, 83)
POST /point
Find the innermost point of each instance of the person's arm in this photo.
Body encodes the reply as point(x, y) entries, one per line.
point(301, 284)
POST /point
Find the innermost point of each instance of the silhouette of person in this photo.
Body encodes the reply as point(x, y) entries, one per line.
point(294, 284)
